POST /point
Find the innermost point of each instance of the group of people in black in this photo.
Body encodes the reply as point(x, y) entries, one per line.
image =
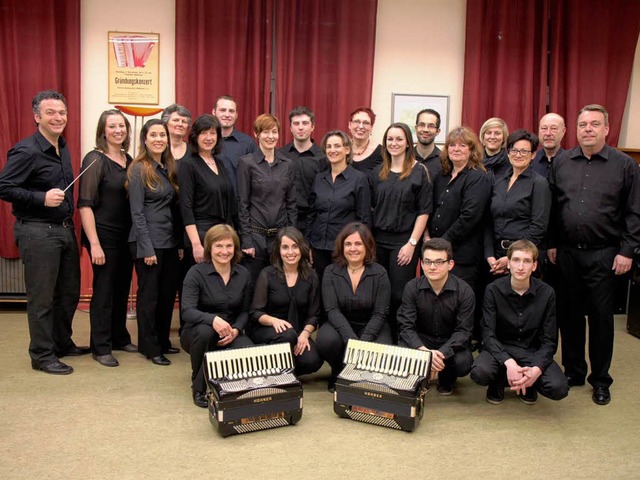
point(268, 245)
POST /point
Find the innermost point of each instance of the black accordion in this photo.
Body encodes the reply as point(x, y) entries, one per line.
point(383, 385)
point(252, 389)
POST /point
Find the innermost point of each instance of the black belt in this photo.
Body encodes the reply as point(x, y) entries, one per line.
point(589, 246)
point(267, 232)
point(505, 244)
point(64, 223)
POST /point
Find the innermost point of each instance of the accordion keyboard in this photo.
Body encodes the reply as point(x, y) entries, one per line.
point(387, 359)
point(246, 363)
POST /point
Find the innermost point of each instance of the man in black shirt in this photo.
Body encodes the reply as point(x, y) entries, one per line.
point(596, 228)
point(427, 129)
point(35, 181)
point(519, 333)
point(436, 314)
point(308, 159)
point(551, 130)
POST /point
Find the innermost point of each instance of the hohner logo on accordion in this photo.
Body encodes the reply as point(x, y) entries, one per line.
point(132, 50)
point(252, 389)
point(383, 384)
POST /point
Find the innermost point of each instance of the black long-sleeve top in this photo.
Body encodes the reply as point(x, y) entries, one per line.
point(272, 296)
point(521, 212)
point(102, 188)
point(459, 209)
point(266, 194)
point(397, 203)
point(307, 165)
point(152, 212)
point(360, 315)
point(498, 164)
point(236, 145)
point(542, 164)
point(524, 321)
point(596, 201)
point(33, 168)
point(335, 204)
point(205, 296)
point(444, 319)
point(206, 198)
point(367, 164)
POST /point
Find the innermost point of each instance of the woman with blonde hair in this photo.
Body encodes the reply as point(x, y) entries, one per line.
point(493, 136)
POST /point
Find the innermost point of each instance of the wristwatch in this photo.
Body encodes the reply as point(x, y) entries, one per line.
point(413, 242)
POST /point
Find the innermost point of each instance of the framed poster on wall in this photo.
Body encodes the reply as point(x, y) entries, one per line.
point(405, 107)
point(134, 68)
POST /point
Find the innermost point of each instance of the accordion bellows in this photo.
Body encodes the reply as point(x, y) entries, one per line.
point(252, 389)
point(383, 385)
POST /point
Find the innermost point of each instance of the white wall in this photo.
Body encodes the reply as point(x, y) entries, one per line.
point(100, 17)
point(630, 132)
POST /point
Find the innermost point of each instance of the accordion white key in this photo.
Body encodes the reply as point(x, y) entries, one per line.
point(252, 389)
point(383, 385)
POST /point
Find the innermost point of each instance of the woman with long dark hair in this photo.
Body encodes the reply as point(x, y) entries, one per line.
point(153, 190)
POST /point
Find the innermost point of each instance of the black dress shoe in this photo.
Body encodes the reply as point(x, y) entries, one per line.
point(107, 360)
point(575, 381)
point(601, 395)
point(75, 352)
point(161, 360)
point(129, 348)
point(55, 368)
point(200, 399)
point(171, 350)
point(529, 398)
point(495, 393)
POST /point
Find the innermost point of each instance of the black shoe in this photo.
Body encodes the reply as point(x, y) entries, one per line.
point(171, 350)
point(55, 368)
point(444, 390)
point(107, 360)
point(129, 348)
point(529, 398)
point(495, 393)
point(161, 360)
point(575, 381)
point(601, 395)
point(331, 386)
point(74, 352)
point(200, 399)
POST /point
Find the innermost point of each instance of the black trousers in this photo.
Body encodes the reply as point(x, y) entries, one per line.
point(331, 346)
point(157, 286)
point(588, 291)
point(51, 261)
point(458, 365)
point(198, 339)
point(263, 246)
point(399, 276)
point(108, 308)
point(321, 260)
point(308, 362)
point(551, 384)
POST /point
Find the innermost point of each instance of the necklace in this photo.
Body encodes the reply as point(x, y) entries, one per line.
point(366, 145)
point(354, 270)
point(119, 158)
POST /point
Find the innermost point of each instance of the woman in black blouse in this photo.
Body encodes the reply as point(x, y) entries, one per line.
point(366, 155)
point(215, 304)
point(461, 194)
point(106, 221)
point(177, 119)
point(356, 294)
point(401, 206)
point(520, 203)
point(266, 195)
point(339, 195)
point(153, 188)
point(493, 135)
point(286, 301)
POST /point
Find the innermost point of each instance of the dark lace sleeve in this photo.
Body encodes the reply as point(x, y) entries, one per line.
point(88, 195)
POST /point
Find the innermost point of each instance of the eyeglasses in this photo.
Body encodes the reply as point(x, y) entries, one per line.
point(366, 123)
point(437, 263)
point(515, 152)
point(428, 126)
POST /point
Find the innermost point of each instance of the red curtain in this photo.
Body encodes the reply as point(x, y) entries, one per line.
point(224, 48)
point(324, 59)
point(40, 50)
point(592, 50)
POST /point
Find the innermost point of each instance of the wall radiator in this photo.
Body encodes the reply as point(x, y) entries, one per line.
point(12, 279)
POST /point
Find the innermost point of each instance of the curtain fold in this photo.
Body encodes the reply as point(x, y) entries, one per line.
point(324, 59)
point(40, 48)
point(505, 71)
point(592, 50)
point(224, 48)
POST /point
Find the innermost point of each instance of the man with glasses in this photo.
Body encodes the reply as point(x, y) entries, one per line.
point(519, 333)
point(436, 314)
point(551, 131)
point(427, 129)
point(596, 229)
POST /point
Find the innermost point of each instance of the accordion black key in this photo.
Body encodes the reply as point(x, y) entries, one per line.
point(252, 389)
point(383, 385)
